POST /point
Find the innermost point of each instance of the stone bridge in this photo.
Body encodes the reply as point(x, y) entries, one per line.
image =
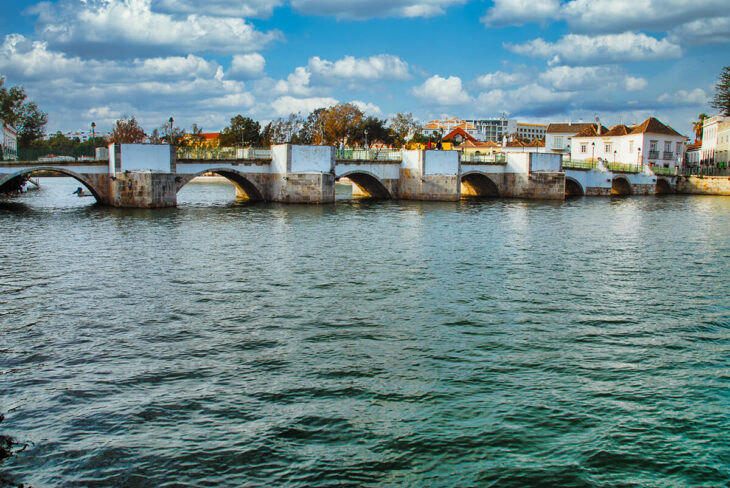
point(147, 176)
point(602, 181)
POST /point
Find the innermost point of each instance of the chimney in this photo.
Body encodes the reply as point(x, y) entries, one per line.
point(598, 125)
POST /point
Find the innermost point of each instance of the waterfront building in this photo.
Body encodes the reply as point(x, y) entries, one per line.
point(709, 138)
point(492, 129)
point(692, 155)
point(529, 132)
point(8, 142)
point(722, 154)
point(559, 135)
point(650, 143)
point(478, 147)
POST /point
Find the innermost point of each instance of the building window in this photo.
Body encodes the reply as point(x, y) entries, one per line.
point(558, 141)
point(607, 148)
point(668, 146)
point(584, 148)
point(652, 145)
point(631, 147)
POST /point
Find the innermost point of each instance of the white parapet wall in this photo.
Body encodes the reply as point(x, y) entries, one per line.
point(440, 162)
point(288, 158)
point(545, 162)
point(139, 157)
point(517, 163)
point(412, 160)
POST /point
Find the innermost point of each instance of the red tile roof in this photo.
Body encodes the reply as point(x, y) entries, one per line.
point(574, 128)
point(653, 126)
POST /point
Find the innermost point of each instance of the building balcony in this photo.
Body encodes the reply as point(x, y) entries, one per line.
point(653, 154)
point(668, 155)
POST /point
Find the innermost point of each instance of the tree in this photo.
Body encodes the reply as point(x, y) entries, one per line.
point(698, 126)
point(721, 101)
point(341, 123)
point(376, 130)
point(403, 127)
point(242, 131)
point(23, 116)
point(311, 128)
point(171, 134)
point(282, 130)
point(126, 131)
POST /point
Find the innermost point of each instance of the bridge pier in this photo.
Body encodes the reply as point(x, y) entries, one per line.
point(430, 175)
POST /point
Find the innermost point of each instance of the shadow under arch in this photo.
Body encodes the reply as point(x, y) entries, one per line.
point(245, 188)
point(476, 185)
point(663, 187)
point(14, 181)
point(573, 188)
point(369, 185)
point(621, 186)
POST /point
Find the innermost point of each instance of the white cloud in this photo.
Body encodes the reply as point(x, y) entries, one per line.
point(380, 67)
point(368, 9)
point(442, 91)
point(590, 77)
point(530, 99)
point(500, 79)
point(622, 15)
point(684, 97)
point(714, 30)
point(367, 108)
point(606, 49)
point(216, 8)
point(297, 83)
point(118, 28)
point(519, 12)
point(286, 105)
point(247, 66)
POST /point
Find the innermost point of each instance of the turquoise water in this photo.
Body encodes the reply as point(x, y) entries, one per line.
point(490, 343)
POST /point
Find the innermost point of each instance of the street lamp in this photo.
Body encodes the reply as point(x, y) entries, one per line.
point(638, 158)
point(172, 121)
point(366, 140)
point(321, 126)
point(593, 152)
point(93, 135)
point(614, 156)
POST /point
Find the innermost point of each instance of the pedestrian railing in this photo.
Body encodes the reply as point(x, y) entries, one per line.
point(369, 155)
point(625, 168)
point(705, 171)
point(661, 171)
point(497, 158)
point(229, 153)
point(578, 164)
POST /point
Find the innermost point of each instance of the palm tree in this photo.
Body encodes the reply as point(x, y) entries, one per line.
point(697, 126)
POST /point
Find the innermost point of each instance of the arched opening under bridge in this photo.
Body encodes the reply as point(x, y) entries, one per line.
point(478, 185)
point(58, 179)
point(663, 187)
point(366, 185)
point(621, 186)
point(207, 186)
point(573, 188)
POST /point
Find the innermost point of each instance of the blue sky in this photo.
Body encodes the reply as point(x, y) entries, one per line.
point(204, 61)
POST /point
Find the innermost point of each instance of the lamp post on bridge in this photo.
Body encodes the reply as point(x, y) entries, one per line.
point(593, 153)
point(172, 121)
point(93, 137)
point(321, 127)
point(367, 146)
point(639, 162)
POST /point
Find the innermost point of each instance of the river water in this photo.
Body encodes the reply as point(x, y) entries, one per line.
point(487, 343)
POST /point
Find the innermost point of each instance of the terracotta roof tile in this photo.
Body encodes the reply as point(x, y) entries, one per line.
point(653, 126)
point(590, 131)
point(617, 130)
point(575, 128)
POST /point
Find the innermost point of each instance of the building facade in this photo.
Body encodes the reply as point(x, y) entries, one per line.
point(492, 129)
point(722, 154)
point(558, 136)
point(651, 143)
point(530, 132)
point(709, 138)
point(8, 142)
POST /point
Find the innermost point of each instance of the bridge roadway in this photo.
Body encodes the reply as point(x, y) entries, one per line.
point(145, 176)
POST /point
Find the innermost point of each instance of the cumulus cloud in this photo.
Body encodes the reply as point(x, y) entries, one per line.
point(622, 15)
point(218, 8)
point(368, 9)
point(532, 99)
point(519, 12)
point(120, 28)
point(605, 49)
point(380, 67)
point(715, 30)
point(590, 77)
point(500, 79)
point(367, 108)
point(247, 66)
point(684, 97)
point(286, 105)
point(442, 91)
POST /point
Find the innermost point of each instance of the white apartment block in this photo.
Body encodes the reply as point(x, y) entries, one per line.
point(650, 143)
point(709, 137)
point(722, 154)
point(530, 131)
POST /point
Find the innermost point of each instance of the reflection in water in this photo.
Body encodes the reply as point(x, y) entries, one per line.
point(379, 343)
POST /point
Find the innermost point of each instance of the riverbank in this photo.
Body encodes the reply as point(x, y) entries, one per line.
point(703, 185)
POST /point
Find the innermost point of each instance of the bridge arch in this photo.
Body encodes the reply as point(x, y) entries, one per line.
point(478, 184)
point(621, 186)
point(369, 184)
point(663, 187)
point(573, 188)
point(245, 188)
point(14, 180)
